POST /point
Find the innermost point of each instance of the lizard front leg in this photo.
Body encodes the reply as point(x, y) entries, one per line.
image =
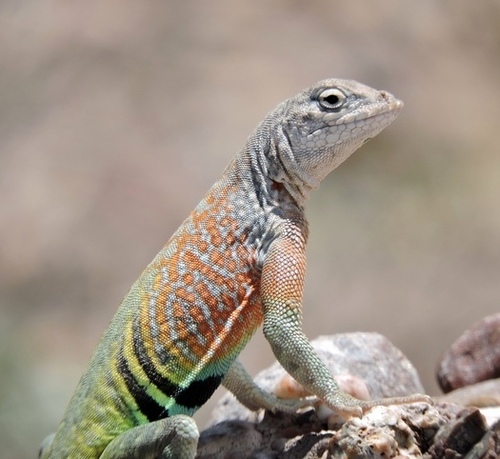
point(249, 394)
point(281, 291)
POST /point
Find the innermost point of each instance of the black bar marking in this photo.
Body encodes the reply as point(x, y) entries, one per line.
point(198, 392)
point(147, 404)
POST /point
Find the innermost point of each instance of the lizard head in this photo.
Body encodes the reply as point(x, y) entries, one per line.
point(321, 127)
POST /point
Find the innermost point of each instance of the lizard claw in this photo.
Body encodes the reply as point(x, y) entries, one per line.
point(344, 405)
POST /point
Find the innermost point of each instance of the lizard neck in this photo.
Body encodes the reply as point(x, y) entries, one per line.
point(271, 162)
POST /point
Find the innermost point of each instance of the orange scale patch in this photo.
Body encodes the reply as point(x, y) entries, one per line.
point(211, 225)
point(205, 295)
point(182, 331)
point(210, 198)
point(196, 314)
point(217, 258)
point(242, 252)
point(228, 302)
point(242, 292)
point(231, 265)
point(205, 330)
point(201, 322)
point(196, 347)
point(212, 276)
point(161, 299)
point(192, 260)
point(187, 279)
point(230, 284)
point(173, 274)
point(229, 239)
point(216, 239)
point(160, 308)
point(252, 315)
point(177, 311)
point(164, 333)
point(204, 269)
point(225, 222)
point(241, 277)
point(182, 294)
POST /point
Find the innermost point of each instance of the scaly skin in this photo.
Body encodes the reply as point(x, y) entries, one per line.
point(237, 262)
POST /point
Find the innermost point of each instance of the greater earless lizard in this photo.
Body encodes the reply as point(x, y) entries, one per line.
point(237, 262)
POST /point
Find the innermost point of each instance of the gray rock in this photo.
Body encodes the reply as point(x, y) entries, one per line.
point(408, 431)
point(458, 437)
point(482, 394)
point(229, 439)
point(472, 358)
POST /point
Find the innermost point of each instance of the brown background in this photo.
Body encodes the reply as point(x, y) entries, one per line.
point(116, 116)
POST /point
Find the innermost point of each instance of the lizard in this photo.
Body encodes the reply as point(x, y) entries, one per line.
point(235, 264)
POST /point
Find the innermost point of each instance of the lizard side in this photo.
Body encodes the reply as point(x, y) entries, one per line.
point(236, 263)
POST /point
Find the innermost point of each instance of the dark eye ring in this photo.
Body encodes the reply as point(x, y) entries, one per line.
point(331, 99)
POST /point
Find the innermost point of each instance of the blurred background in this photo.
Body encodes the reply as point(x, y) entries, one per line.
point(116, 117)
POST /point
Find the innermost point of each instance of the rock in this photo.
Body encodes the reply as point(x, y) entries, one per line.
point(407, 431)
point(228, 439)
point(472, 358)
point(271, 437)
point(458, 437)
point(492, 416)
point(482, 394)
point(386, 432)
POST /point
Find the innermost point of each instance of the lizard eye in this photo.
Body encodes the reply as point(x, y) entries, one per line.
point(331, 99)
